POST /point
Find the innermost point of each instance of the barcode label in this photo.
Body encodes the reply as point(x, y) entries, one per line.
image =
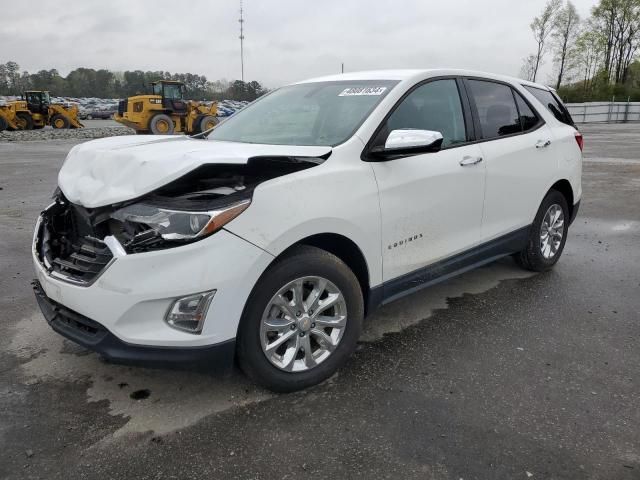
point(358, 91)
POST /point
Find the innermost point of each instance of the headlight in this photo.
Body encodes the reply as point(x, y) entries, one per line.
point(143, 223)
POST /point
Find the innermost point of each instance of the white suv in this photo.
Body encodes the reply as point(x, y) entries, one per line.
point(269, 238)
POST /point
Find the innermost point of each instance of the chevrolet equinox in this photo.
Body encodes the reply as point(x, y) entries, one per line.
point(269, 238)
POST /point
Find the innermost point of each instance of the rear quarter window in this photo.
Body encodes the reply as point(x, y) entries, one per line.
point(552, 103)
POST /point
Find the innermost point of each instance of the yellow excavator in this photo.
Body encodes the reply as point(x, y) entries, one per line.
point(35, 110)
point(164, 111)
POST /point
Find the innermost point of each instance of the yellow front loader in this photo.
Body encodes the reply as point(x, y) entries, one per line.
point(35, 111)
point(164, 111)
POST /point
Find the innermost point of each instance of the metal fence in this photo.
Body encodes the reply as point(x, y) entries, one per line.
point(604, 112)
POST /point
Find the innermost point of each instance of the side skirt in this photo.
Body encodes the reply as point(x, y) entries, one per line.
point(449, 267)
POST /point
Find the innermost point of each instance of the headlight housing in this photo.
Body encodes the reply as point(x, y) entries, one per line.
point(144, 226)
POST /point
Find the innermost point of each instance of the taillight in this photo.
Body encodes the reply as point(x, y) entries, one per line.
point(580, 140)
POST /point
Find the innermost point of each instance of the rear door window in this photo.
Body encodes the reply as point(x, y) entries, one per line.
point(552, 103)
point(496, 108)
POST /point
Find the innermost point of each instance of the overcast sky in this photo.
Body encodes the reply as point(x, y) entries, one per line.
point(286, 40)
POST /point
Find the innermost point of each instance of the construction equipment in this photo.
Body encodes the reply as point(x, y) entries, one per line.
point(35, 110)
point(164, 111)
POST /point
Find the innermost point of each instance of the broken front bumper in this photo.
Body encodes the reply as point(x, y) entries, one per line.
point(92, 335)
point(127, 300)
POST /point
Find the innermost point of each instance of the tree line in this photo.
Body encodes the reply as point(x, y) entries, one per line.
point(88, 82)
point(593, 58)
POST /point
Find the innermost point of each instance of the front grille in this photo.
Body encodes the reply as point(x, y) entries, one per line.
point(122, 106)
point(88, 258)
point(68, 245)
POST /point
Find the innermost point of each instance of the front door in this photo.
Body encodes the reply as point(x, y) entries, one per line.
point(431, 203)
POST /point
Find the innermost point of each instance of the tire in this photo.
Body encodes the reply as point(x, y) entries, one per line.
point(89, 117)
point(25, 121)
point(196, 125)
point(59, 121)
point(303, 262)
point(207, 123)
point(161, 124)
point(538, 256)
point(3, 124)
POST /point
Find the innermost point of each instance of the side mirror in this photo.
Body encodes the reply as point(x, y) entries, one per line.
point(409, 141)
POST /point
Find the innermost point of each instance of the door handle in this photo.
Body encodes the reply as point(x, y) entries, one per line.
point(543, 143)
point(468, 161)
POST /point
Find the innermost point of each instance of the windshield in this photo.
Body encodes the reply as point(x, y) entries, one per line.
point(321, 114)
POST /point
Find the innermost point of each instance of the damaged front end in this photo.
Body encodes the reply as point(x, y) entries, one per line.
point(76, 244)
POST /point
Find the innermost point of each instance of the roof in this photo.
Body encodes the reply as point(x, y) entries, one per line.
point(416, 74)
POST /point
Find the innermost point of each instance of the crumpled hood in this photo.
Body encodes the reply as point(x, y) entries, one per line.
point(116, 169)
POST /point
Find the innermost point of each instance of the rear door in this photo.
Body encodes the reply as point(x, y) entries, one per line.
point(518, 148)
point(431, 203)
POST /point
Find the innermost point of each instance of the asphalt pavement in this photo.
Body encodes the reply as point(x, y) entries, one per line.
point(497, 374)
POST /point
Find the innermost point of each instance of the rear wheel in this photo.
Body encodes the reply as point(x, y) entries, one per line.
point(24, 121)
point(548, 234)
point(208, 122)
point(161, 124)
point(3, 124)
point(59, 121)
point(301, 322)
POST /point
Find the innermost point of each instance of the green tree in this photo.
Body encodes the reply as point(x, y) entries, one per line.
point(541, 27)
point(565, 31)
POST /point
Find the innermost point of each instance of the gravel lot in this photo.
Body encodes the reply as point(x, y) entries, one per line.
point(93, 129)
point(495, 374)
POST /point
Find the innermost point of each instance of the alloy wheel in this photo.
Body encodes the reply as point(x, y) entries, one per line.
point(303, 324)
point(552, 231)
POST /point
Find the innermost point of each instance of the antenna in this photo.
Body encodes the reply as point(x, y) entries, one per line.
point(241, 40)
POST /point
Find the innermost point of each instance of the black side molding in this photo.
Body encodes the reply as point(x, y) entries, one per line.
point(449, 267)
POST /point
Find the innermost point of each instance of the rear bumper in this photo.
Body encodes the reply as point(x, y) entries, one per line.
point(94, 336)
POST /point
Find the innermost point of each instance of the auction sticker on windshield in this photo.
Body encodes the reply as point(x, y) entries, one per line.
point(357, 91)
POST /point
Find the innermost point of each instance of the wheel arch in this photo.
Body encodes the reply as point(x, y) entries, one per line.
point(564, 187)
point(343, 248)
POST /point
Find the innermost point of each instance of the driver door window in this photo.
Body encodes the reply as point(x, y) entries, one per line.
point(433, 106)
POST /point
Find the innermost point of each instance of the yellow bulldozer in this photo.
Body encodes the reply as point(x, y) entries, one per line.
point(164, 111)
point(35, 110)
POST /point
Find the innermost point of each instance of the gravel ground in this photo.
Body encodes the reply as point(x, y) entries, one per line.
point(496, 374)
point(66, 134)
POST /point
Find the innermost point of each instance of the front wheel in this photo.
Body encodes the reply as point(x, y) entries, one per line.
point(548, 234)
point(59, 121)
point(207, 123)
point(301, 322)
